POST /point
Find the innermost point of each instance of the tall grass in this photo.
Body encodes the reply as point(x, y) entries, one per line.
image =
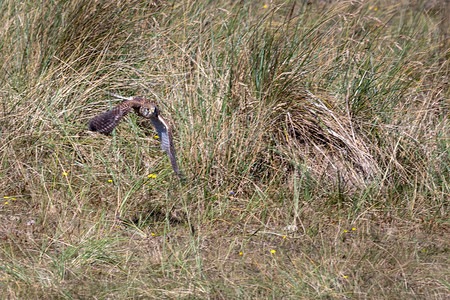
point(313, 135)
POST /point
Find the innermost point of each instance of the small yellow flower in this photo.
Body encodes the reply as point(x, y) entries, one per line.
point(240, 253)
point(284, 236)
point(345, 231)
point(273, 251)
point(370, 7)
point(65, 174)
point(156, 136)
point(13, 199)
point(110, 180)
point(6, 203)
point(265, 6)
point(353, 228)
point(152, 176)
point(424, 250)
point(6, 197)
point(152, 234)
point(375, 9)
point(345, 276)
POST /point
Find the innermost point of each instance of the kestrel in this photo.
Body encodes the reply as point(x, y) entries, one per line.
point(107, 121)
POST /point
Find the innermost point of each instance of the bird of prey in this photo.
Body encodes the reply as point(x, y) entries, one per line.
point(107, 121)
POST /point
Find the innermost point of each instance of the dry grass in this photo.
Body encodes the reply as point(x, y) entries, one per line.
point(314, 136)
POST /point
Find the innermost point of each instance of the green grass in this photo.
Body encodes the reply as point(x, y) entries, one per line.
point(314, 138)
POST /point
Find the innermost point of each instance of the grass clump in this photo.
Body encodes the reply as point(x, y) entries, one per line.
point(313, 135)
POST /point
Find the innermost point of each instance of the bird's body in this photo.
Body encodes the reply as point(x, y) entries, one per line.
point(106, 122)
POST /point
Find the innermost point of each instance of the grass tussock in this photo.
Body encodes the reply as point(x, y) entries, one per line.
point(313, 135)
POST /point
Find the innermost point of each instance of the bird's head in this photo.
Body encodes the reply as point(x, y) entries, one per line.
point(148, 111)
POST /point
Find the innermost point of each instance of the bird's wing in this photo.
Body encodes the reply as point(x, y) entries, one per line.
point(165, 136)
point(107, 121)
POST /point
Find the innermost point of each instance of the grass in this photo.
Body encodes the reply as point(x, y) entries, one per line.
point(313, 135)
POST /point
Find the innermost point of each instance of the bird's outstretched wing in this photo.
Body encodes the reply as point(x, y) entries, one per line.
point(165, 136)
point(107, 121)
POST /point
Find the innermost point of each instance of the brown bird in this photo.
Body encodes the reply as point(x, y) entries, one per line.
point(107, 121)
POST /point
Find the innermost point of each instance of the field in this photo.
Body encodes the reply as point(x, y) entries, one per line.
point(313, 135)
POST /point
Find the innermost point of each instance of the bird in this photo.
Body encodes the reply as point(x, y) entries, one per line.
point(107, 121)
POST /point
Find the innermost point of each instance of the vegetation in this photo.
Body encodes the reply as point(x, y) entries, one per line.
point(314, 136)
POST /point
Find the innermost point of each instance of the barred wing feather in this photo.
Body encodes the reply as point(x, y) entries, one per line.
point(165, 136)
point(107, 121)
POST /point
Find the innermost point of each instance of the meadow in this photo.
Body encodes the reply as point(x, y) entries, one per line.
point(313, 135)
